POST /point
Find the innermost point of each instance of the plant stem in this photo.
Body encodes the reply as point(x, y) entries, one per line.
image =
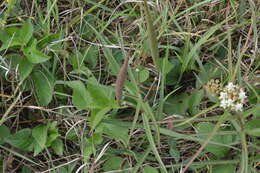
point(244, 156)
point(152, 36)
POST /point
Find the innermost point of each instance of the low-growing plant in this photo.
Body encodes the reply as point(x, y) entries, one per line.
point(131, 86)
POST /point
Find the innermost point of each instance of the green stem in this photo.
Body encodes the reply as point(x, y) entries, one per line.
point(244, 156)
point(152, 36)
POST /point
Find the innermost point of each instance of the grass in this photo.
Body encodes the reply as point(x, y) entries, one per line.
point(63, 73)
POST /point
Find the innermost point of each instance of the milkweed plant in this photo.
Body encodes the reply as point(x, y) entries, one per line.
point(231, 96)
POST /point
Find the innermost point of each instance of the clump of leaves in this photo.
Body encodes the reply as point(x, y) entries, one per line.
point(36, 139)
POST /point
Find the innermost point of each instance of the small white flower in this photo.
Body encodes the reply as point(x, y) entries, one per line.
point(238, 107)
point(242, 95)
point(230, 102)
point(223, 95)
point(137, 70)
point(230, 86)
point(223, 104)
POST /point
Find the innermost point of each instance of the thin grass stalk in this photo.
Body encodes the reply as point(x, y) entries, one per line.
point(78, 17)
point(152, 36)
point(137, 112)
point(151, 141)
point(162, 85)
point(244, 155)
point(144, 105)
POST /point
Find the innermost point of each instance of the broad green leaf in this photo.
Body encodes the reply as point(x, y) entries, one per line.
point(43, 87)
point(149, 169)
point(9, 38)
point(52, 137)
point(80, 97)
point(167, 66)
point(113, 163)
point(224, 169)
point(173, 75)
point(25, 68)
point(84, 70)
point(34, 55)
point(53, 132)
point(177, 104)
point(39, 134)
point(77, 60)
point(57, 146)
point(116, 131)
point(26, 32)
point(15, 59)
point(91, 56)
point(97, 115)
point(141, 73)
point(195, 100)
point(252, 127)
point(50, 38)
point(21, 139)
point(52, 126)
point(36, 148)
point(4, 36)
point(4, 133)
point(219, 151)
point(99, 96)
point(95, 138)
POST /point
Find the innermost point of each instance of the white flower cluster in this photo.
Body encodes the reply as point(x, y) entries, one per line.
point(233, 97)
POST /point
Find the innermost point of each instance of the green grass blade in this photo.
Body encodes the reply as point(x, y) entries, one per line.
point(114, 66)
point(152, 36)
point(20, 155)
point(140, 162)
point(78, 17)
point(151, 141)
point(201, 41)
point(192, 7)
